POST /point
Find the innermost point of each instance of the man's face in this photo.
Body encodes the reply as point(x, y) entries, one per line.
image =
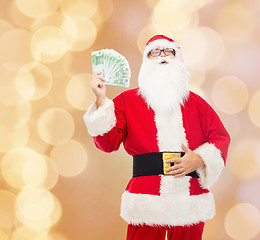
point(164, 52)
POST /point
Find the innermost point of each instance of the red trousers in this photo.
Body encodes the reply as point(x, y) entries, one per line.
point(144, 232)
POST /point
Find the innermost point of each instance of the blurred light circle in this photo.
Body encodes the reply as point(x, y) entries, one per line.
point(78, 91)
point(78, 33)
point(247, 193)
point(254, 109)
point(8, 93)
point(37, 9)
point(230, 94)
point(243, 163)
point(178, 35)
point(45, 222)
point(46, 45)
point(7, 211)
point(104, 12)
point(5, 221)
point(144, 35)
point(58, 236)
point(235, 22)
point(56, 126)
point(34, 81)
point(79, 8)
point(56, 213)
point(197, 76)
point(13, 163)
point(34, 203)
point(3, 235)
point(26, 233)
point(52, 174)
point(70, 158)
point(151, 3)
point(34, 170)
point(185, 5)
point(12, 138)
point(242, 221)
point(13, 50)
point(202, 48)
point(14, 116)
point(171, 16)
point(5, 26)
point(55, 20)
point(18, 19)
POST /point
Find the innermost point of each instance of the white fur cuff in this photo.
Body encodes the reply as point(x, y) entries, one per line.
point(214, 164)
point(102, 120)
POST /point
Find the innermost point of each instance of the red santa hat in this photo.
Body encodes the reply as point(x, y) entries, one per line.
point(161, 41)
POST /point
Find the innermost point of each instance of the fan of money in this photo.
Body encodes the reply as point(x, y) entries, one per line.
point(114, 66)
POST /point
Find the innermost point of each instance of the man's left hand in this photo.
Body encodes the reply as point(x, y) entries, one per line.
point(186, 164)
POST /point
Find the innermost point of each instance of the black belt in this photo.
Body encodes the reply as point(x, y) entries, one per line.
point(154, 163)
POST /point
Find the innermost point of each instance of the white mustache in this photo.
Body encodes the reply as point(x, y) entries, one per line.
point(161, 59)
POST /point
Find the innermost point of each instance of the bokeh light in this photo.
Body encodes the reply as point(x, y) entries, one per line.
point(34, 81)
point(78, 91)
point(7, 209)
point(236, 23)
point(55, 19)
point(70, 158)
point(26, 233)
point(244, 164)
point(13, 164)
point(79, 8)
point(230, 94)
point(46, 153)
point(248, 192)
point(5, 26)
point(34, 170)
point(8, 93)
point(205, 50)
point(254, 110)
point(12, 138)
point(56, 126)
point(52, 174)
point(163, 16)
point(242, 221)
point(34, 203)
point(15, 116)
point(37, 9)
point(46, 44)
point(12, 51)
point(78, 33)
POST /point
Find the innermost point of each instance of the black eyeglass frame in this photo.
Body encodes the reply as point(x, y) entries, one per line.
point(162, 50)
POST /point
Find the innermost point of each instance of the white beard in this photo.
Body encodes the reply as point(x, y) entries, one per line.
point(164, 87)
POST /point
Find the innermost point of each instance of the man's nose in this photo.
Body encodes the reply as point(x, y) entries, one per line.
point(162, 54)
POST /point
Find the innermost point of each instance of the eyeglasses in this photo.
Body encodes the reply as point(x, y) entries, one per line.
point(157, 52)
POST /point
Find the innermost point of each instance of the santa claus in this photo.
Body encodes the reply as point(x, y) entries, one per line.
point(178, 143)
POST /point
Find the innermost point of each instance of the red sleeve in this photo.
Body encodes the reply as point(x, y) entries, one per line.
point(111, 140)
point(214, 130)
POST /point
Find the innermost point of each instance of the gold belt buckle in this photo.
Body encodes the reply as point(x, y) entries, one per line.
point(168, 155)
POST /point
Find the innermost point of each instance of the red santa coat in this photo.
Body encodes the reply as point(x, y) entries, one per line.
point(163, 199)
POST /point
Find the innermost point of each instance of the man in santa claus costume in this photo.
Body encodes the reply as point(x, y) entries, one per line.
point(178, 143)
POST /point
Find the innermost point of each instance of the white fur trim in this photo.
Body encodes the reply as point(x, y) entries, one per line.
point(168, 210)
point(102, 120)
point(214, 164)
point(162, 43)
point(170, 130)
point(175, 186)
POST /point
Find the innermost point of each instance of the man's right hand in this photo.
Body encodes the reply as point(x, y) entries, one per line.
point(98, 87)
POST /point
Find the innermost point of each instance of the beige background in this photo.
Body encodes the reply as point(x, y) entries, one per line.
point(54, 183)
